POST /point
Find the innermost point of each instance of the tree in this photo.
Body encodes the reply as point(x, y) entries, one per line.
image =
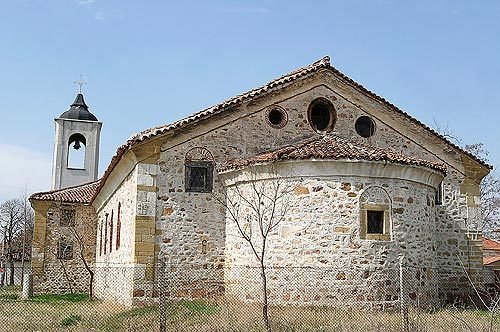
point(490, 185)
point(490, 193)
point(263, 203)
point(11, 226)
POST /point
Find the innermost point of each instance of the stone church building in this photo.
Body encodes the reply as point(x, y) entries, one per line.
point(371, 184)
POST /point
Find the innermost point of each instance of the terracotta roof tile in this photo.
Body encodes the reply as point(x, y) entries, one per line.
point(490, 260)
point(77, 194)
point(228, 105)
point(490, 244)
point(332, 147)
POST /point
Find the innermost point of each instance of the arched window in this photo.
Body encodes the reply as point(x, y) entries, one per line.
point(199, 164)
point(76, 151)
point(375, 219)
point(118, 226)
point(105, 233)
point(111, 232)
point(100, 241)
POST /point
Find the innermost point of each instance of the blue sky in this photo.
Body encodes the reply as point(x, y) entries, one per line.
point(149, 63)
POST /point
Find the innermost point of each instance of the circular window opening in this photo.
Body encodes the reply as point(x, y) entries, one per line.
point(365, 126)
point(277, 117)
point(322, 115)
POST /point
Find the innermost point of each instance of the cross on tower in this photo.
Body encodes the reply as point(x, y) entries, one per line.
point(80, 83)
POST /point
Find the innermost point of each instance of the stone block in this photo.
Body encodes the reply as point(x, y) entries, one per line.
point(300, 190)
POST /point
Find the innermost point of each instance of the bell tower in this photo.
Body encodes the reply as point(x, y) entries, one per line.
point(76, 148)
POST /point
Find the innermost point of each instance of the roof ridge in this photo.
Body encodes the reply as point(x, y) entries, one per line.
point(346, 148)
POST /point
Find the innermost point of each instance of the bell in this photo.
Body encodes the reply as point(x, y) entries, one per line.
point(77, 145)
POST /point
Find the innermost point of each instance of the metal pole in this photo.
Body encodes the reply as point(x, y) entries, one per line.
point(24, 235)
point(402, 298)
point(163, 295)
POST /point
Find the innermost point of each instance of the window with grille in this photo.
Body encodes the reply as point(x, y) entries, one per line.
point(199, 176)
point(64, 249)
point(67, 217)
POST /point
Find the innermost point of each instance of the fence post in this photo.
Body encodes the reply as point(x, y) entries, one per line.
point(163, 295)
point(27, 286)
point(403, 301)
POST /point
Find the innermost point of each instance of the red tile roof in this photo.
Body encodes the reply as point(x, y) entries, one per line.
point(77, 194)
point(332, 147)
point(489, 244)
point(230, 104)
point(490, 260)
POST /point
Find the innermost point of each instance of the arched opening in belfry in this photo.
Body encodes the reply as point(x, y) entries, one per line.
point(76, 151)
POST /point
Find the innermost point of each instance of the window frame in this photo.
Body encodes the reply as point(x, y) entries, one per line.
point(386, 235)
point(332, 113)
point(67, 223)
point(67, 244)
point(439, 195)
point(209, 166)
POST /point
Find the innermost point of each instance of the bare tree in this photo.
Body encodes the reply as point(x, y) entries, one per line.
point(445, 131)
point(257, 207)
point(72, 240)
point(11, 225)
point(490, 193)
point(490, 185)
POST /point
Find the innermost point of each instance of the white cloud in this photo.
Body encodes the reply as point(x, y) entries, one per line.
point(99, 16)
point(85, 2)
point(21, 167)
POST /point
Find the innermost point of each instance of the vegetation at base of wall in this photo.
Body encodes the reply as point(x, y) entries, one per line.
point(54, 298)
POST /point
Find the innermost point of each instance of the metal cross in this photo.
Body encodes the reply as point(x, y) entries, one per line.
point(80, 83)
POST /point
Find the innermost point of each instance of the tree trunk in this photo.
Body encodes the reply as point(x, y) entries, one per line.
point(91, 285)
point(11, 269)
point(66, 275)
point(265, 304)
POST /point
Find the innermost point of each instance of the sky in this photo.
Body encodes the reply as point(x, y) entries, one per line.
point(148, 63)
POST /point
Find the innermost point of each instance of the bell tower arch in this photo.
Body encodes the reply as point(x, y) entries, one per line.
point(76, 146)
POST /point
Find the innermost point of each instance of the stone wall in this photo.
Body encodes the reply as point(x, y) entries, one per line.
point(189, 217)
point(53, 275)
point(316, 255)
point(147, 238)
point(115, 268)
point(126, 272)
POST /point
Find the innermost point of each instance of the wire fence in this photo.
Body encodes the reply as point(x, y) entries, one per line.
point(203, 298)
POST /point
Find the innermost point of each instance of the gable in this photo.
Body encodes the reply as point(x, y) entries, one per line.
point(352, 93)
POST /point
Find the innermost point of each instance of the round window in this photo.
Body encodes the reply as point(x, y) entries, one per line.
point(277, 117)
point(365, 126)
point(322, 115)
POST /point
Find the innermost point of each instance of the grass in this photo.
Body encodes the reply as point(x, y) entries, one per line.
point(76, 313)
point(71, 320)
point(9, 293)
point(58, 298)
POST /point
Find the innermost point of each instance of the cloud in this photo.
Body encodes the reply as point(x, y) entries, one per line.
point(20, 167)
point(89, 4)
point(85, 2)
point(99, 16)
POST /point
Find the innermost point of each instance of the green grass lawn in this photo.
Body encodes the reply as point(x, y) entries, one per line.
point(74, 312)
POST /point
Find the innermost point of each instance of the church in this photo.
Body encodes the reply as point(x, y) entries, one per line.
point(371, 185)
